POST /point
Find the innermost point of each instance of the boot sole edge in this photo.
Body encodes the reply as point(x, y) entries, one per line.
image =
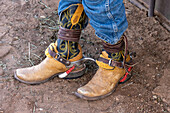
point(33, 83)
point(78, 73)
point(103, 96)
point(95, 98)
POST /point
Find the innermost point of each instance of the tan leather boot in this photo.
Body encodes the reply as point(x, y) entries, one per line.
point(52, 66)
point(111, 71)
point(62, 54)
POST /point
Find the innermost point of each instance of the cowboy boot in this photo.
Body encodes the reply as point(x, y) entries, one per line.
point(111, 71)
point(61, 54)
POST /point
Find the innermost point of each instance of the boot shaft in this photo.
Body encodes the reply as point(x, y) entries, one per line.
point(72, 21)
point(115, 55)
point(117, 51)
point(68, 49)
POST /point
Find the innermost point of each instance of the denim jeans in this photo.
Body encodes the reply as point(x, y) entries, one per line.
point(107, 17)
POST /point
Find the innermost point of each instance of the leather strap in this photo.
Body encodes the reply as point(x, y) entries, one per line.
point(123, 43)
point(59, 58)
point(111, 62)
point(69, 34)
point(115, 47)
point(126, 46)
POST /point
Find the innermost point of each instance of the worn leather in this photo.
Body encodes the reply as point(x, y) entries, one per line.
point(103, 82)
point(46, 69)
point(107, 76)
point(69, 34)
point(42, 71)
point(120, 45)
point(72, 21)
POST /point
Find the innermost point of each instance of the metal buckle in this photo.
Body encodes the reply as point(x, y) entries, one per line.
point(110, 61)
point(58, 55)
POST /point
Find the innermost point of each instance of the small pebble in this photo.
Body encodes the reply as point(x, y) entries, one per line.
point(117, 99)
point(155, 97)
point(40, 109)
point(42, 17)
point(1, 71)
point(4, 50)
point(158, 74)
point(16, 38)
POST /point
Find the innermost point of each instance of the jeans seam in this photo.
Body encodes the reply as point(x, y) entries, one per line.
point(110, 16)
point(98, 34)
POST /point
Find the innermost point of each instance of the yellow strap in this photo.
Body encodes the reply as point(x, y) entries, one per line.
point(103, 65)
point(76, 16)
point(50, 47)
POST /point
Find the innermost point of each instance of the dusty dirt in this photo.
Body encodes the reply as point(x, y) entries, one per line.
point(23, 29)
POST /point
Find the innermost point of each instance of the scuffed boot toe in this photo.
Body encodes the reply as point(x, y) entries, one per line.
point(85, 93)
point(22, 77)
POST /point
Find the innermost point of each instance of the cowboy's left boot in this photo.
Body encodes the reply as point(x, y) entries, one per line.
point(111, 71)
point(64, 58)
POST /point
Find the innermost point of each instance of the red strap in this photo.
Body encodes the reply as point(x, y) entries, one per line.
point(126, 74)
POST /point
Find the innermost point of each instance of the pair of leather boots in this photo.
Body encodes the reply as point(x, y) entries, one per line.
point(64, 59)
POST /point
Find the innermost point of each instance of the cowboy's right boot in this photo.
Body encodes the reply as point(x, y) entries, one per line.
point(112, 63)
point(62, 53)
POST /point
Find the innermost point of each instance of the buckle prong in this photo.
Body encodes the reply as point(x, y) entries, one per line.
point(58, 56)
point(110, 61)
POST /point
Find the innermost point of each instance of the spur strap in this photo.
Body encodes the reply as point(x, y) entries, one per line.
point(57, 57)
point(111, 62)
point(69, 34)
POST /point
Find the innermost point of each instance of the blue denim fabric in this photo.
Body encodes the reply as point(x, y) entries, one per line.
point(107, 17)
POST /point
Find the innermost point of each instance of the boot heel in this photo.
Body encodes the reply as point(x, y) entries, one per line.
point(77, 73)
point(127, 76)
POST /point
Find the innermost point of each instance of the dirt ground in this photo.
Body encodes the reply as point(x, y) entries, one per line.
point(27, 27)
